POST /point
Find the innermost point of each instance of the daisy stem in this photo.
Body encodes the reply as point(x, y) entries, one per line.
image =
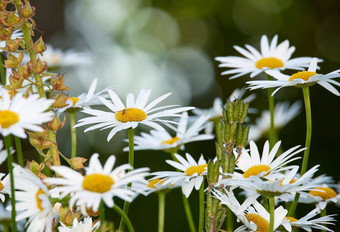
point(323, 214)
point(201, 207)
point(271, 102)
point(188, 213)
point(19, 151)
point(8, 144)
point(271, 209)
point(131, 162)
point(72, 115)
point(2, 71)
point(265, 202)
point(161, 210)
point(125, 217)
point(102, 212)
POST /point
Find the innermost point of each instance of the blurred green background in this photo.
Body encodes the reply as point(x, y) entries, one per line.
point(178, 41)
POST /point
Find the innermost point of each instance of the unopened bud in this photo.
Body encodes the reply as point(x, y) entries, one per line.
point(12, 19)
point(13, 61)
point(12, 44)
point(39, 46)
point(38, 67)
point(56, 124)
point(39, 140)
point(34, 167)
point(57, 83)
point(24, 71)
point(27, 11)
point(77, 163)
point(245, 135)
point(230, 109)
point(245, 112)
point(240, 104)
point(60, 101)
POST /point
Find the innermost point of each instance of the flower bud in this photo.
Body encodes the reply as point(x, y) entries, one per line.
point(39, 140)
point(57, 83)
point(77, 163)
point(13, 61)
point(39, 46)
point(24, 71)
point(39, 67)
point(12, 19)
point(60, 101)
point(12, 44)
point(56, 124)
point(27, 11)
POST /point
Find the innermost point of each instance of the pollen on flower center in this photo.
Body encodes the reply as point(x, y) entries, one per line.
point(152, 183)
point(261, 223)
point(74, 100)
point(196, 169)
point(269, 62)
point(8, 118)
point(39, 201)
point(170, 141)
point(1, 186)
point(130, 115)
point(98, 183)
point(325, 193)
point(291, 219)
point(304, 75)
point(255, 170)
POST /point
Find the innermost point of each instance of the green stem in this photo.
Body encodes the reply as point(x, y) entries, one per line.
point(230, 220)
point(271, 209)
point(323, 214)
point(8, 144)
point(102, 212)
point(217, 131)
point(5, 227)
point(271, 102)
point(72, 115)
point(188, 213)
point(2, 71)
point(19, 151)
point(124, 217)
point(201, 208)
point(131, 162)
point(161, 210)
point(265, 203)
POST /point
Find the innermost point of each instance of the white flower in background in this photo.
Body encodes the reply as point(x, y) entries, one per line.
point(32, 202)
point(153, 185)
point(162, 140)
point(83, 226)
point(307, 223)
point(3, 153)
point(5, 186)
point(15, 35)
point(266, 165)
point(85, 99)
point(272, 56)
point(257, 218)
point(132, 114)
point(299, 79)
point(228, 198)
point(283, 114)
point(322, 196)
point(19, 113)
point(99, 183)
point(55, 57)
point(190, 173)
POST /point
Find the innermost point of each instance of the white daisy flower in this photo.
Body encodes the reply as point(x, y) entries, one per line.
point(267, 165)
point(283, 114)
point(299, 79)
point(153, 185)
point(5, 186)
point(272, 56)
point(162, 140)
point(257, 218)
point(322, 196)
point(32, 202)
point(307, 223)
point(85, 99)
point(84, 226)
point(99, 183)
point(228, 198)
point(19, 113)
point(190, 173)
point(130, 115)
point(3, 153)
point(55, 57)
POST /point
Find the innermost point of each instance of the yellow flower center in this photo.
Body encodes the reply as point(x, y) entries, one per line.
point(269, 62)
point(1, 186)
point(325, 194)
point(291, 219)
point(39, 201)
point(170, 141)
point(98, 183)
point(196, 169)
point(152, 183)
point(261, 223)
point(130, 115)
point(255, 170)
point(8, 118)
point(304, 75)
point(74, 100)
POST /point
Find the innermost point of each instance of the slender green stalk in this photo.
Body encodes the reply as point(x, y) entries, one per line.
point(2, 71)
point(131, 162)
point(19, 151)
point(161, 210)
point(201, 208)
point(271, 102)
point(323, 214)
point(271, 211)
point(8, 144)
point(72, 114)
point(230, 220)
point(5, 227)
point(102, 212)
point(265, 203)
point(188, 213)
point(125, 218)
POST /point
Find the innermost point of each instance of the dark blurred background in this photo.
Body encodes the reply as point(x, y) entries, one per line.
point(170, 46)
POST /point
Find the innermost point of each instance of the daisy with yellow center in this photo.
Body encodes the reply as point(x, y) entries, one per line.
point(99, 183)
point(272, 56)
point(299, 79)
point(130, 115)
point(83, 226)
point(190, 173)
point(187, 131)
point(322, 195)
point(20, 113)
